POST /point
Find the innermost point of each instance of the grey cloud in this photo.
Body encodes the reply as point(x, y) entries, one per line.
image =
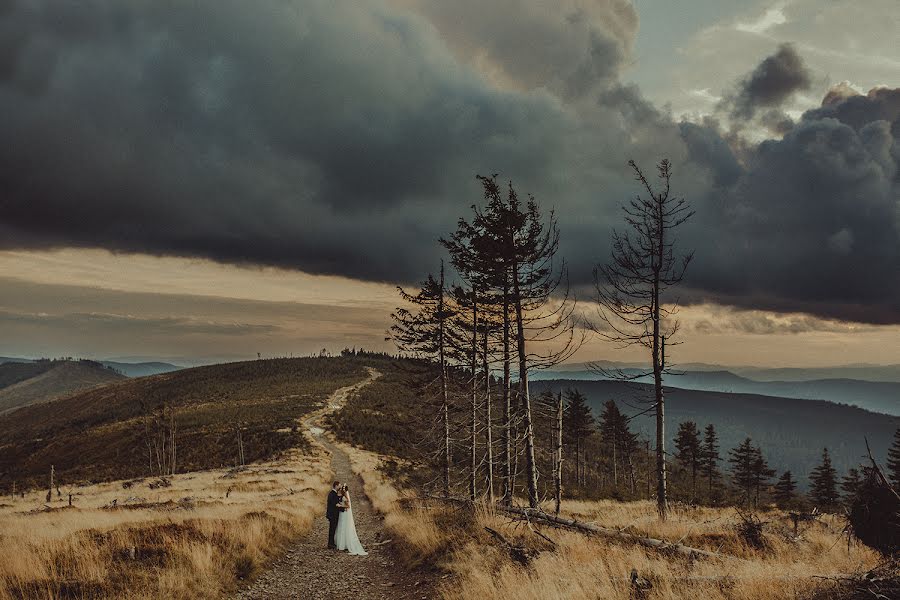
point(343, 138)
point(812, 224)
point(755, 323)
point(775, 80)
point(163, 325)
point(46, 320)
point(570, 47)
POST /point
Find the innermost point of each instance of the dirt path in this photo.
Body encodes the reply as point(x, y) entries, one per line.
point(311, 571)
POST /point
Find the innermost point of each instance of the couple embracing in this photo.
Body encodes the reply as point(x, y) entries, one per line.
point(341, 527)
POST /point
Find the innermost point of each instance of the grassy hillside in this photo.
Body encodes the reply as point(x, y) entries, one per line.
point(791, 432)
point(43, 381)
point(101, 434)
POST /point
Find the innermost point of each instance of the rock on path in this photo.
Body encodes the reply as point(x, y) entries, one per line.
point(309, 570)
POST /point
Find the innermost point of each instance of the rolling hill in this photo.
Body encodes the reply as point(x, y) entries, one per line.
point(108, 432)
point(792, 432)
point(22, 384)
point(128, 369)
point(859, 372)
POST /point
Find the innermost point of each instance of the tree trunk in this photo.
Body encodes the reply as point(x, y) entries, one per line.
point(507, 407)
point(445, 408)
point(661, 501)
point(489, 426)
point(615, 466)
point(524, 398)
point(559, 458)
point(474, 458)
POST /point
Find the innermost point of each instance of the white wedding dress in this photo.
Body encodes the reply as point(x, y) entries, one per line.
point(345, 537)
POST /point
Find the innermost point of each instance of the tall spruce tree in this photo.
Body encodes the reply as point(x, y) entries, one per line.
point(521, 244)
point(893, 460)
point(710, 459)
point(823, 484)
point(689, 451)
point(761, 474)
point(784, 490)
point(742, 468)
point(577, 425)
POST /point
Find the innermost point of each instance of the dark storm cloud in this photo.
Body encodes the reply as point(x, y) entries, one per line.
point(343, 138)
point(770, 84)
point(814, 221)
point(297, 134)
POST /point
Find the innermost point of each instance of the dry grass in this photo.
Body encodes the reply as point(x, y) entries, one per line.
point(195, 539)
point(582, 567)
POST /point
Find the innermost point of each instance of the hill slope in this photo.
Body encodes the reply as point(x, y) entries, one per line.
point(792, 432)
point(103, 433)
point(43, 381)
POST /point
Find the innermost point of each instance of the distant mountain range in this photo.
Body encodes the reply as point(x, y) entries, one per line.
point(128, 369)
point(858, 371)
point(791, 432)
point(881, 395)
point(27, 383)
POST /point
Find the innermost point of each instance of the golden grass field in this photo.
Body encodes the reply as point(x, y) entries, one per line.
point(582, 567)
point(195, 539)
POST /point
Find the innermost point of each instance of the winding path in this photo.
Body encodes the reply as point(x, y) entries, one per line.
point(310, 571)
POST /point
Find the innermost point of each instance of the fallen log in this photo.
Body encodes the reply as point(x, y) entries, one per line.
point(590, 528)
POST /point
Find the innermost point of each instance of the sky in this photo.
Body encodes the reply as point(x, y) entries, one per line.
point(212, 180)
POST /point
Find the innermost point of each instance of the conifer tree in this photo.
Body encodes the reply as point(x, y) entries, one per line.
point(577, 424)
point(823, 484)
point(761, 473)
point(518, 246)
point(688, 451)
point(425, 332)
point(618, 443)
point(709, 458)
point(893, 460)
point(742, 465)
point(784, 490)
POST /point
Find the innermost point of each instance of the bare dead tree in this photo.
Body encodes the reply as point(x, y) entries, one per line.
point(631, 289)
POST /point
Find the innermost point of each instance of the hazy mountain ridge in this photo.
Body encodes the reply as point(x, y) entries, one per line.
point(876, 396)
point(858, 371)
point(126, 368)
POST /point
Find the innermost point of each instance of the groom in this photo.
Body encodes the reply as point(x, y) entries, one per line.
point(332, 512)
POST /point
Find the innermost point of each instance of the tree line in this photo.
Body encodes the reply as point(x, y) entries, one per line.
point(502, 307)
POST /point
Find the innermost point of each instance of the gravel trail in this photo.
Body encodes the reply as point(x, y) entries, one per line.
point(309, 570)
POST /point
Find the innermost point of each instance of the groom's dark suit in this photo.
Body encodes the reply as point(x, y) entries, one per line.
point(331, 513)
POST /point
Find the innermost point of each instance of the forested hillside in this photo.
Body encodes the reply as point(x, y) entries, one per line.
point(791, 432)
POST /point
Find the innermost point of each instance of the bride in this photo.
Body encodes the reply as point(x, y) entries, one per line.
point(345, 537)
